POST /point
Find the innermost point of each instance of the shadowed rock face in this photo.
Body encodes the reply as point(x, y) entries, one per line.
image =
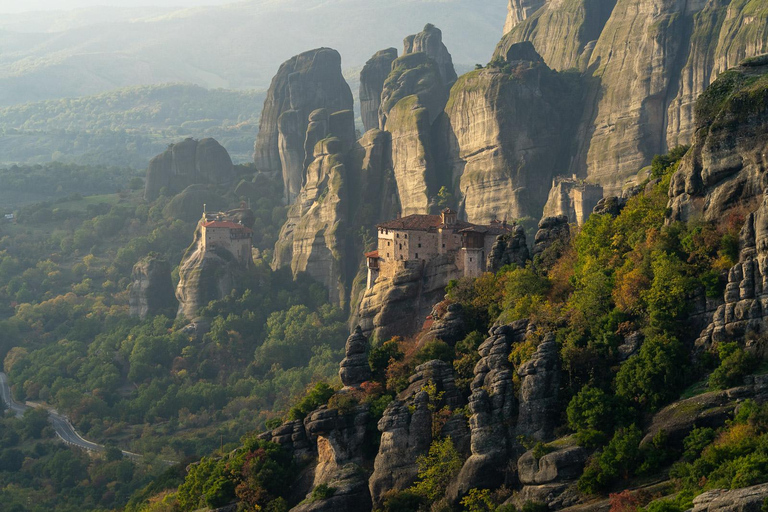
point(511, 249)
point(551, 230)
point(354, 368)
point(430, 41)
point(303, 84)
point(538, 392)
point(188, 163)
point(418, 75)
point(372, 78)
point(506, 132)
point(727, 165)
point(151, 289)
point(646, 62)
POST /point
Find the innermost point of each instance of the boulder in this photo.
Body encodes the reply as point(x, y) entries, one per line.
point(748, 499)
point(551, 230)
point(559, 466)
point(451, 327)
point(354, 368)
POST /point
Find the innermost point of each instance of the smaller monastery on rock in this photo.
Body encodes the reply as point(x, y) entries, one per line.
point(421, 238)
point(218, 232)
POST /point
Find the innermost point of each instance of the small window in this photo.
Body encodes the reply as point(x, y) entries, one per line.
point(417, 255)
point(401, 247)
point(405, 236)
point(470, 260)
point(401, 256)
point(389, 243)
point(443, 246)
point(387, 255)
point(398, 235)
point(419, 246)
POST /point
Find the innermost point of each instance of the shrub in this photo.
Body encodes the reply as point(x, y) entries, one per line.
point(593, 415)
point(403, 501)
point(380, 357)
point(735, 364)
point(432, 350)
point(619, 460)
point(436, 470)
point(322, 492)
point(314, 398)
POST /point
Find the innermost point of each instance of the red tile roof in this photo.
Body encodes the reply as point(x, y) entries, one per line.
point(372, 254)
point(224, 224)
point(414, 222)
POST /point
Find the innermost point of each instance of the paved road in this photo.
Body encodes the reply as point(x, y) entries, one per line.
point(64, 429)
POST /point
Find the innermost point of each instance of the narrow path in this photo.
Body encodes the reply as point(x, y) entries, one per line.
point(61, 425)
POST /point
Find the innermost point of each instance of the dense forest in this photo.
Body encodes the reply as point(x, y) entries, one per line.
point(127, 127)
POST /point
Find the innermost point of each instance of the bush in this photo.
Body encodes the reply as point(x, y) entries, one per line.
point(436, 470)
point(404, 501)
point(317, 396)
point(594, 415)
point(380, 357)
point(432, 350)
point(619, 460)
point(735, 364)
point(322, 492)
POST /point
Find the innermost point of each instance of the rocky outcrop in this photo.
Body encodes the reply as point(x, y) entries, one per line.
point(551, 230)
point(398, 306)
point(727, 166)
point(406, 428)
point(206, 275)
point(748, 499)
point(415, 74)
point(505, 134)
point(705, 410)
point(430, 42)
point(573, 198)
point(354, 368)
point(493, 405)
point(310, 240)
point(151, 290)
point(744, 316)
point(372, 78)
point(538, 407)
point(412, 158)
point(561, 32)
point(187, 163)
point(511, 249)
point(450, 327)
point(646, 62)
point(303, 84)
point(559, 466)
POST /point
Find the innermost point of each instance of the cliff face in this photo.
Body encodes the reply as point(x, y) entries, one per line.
point(188, 163)
point(372, 79)
point(519, 10)
point(645, 61)
point(303, 84)
point(430, 42)
point(151, 291)
point(506, 134)
point(727, 164)
point(413, 74)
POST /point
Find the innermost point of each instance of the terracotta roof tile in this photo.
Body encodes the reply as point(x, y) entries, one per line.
point(414, 222)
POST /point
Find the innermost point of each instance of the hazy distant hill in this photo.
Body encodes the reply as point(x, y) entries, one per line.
point(127, 127)
point(234, 46)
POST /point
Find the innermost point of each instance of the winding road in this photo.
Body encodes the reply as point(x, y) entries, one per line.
point(64, 429)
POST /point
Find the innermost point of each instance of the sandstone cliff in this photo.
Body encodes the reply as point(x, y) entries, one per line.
point(506, 133)
point(303, 84)
point(151, 290)
point(372, 78)
point(646, 62)
point(727, 164)
point(413, 74)
point(187, 163)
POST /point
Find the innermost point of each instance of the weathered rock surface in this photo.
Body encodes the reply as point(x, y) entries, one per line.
point(206, 275)
point(303, 84)
point(187, 163)
point(188, 204)
point(451, 327)
point(354, 368)
point(151, 291)
point(705, 410)
point(748, 499)
point(559, 466)
point(511, 249)
point(540, 376)
point(505, 134)
point(398, 306)
point(744, 316)
point(727, 165)
point(311, 239)
point(646, 62)
point(494, 409)
point(372, 78)
point(573, 198)
point(430, 42)
point(611, 205)
point(551, 230)
point(406, 429)
point(414, 74)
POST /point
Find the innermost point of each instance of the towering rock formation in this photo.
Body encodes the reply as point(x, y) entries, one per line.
point(430, 41)
point(727, 164)
point(506, 134)
point(372, 78)
point(354, 368)
point(646, 61)
point(414, 74)
point(312, 238)
point(519, 10)
point(211, 271)
point(187, 163)
point(151, 291)
point(551, 230)
point(303, 84)
point(573, 198)
point(540, 376)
